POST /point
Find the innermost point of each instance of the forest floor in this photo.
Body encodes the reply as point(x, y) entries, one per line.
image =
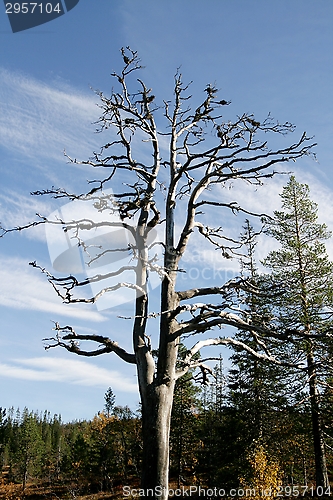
point(13, 491)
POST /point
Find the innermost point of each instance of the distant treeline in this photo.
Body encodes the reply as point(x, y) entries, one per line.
point(234, 433)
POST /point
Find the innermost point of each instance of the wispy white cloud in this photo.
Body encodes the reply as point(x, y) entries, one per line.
point(263, 199)
point(266, 199)
point(18, 210)
point(49, 369)
point(21, 287)
point(40, 120)
point(255, 199)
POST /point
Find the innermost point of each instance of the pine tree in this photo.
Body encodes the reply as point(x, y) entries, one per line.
point(184, 426)
point(110, 400)
point(3, 422)
point(253, 385)
point(218, 432)
point(301, 275)
point(30, 449)
point(256, 389)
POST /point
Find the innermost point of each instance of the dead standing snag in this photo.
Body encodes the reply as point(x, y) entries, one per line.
point(173, 177)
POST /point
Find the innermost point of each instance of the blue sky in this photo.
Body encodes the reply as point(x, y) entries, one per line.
point(265, 57)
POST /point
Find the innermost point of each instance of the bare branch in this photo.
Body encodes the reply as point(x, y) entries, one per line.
point(187, 364)
point(235, 284)
point(71, 342)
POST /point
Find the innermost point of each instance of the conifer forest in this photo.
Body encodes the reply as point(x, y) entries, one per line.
point(252, 429)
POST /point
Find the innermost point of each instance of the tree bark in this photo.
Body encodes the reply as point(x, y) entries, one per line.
point(318, 438)
point(157, 391)
point(156, 415)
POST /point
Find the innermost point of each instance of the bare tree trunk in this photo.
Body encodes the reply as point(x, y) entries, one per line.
point(156, 415)
point(318, 438)
point(25, 477)
point(157, 391)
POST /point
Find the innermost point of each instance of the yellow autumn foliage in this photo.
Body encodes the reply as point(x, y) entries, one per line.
point(101, 421)
point(265, 475)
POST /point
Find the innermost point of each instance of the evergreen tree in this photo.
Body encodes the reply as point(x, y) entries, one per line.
point(256, 389)
point(30, 447)
point(3, 435)
point(301, 275)
point(110, 400)
point(184, 424)
point(184, 428)
point(218, 432)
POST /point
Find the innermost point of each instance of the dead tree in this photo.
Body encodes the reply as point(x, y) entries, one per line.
point(172, 176)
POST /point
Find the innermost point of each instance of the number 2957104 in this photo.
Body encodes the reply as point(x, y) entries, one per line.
point(32, 7)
